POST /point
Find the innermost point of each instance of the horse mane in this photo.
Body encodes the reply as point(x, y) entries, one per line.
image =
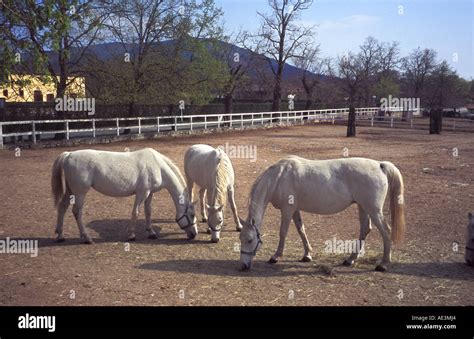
point(174, 169)
point(223, 170)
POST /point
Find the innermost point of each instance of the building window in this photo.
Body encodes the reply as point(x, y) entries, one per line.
point(21, 93)
point(5, 93)
point(38, 96)
point(49, 97)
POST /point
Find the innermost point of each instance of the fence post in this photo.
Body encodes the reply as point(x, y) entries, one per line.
point(93, 128)
point(157, 124)
point(1, 135)
point(191, 121)
point(67, 129)
point(118, 127)
point(230, 115)
point(241, 121)
point(33, 131)
point(175, 124)
point(372, 121)
point(219, 117)
point(205, 122)
point(252, 119)
point(391, 122)
point(139, 126)
point(262, 119)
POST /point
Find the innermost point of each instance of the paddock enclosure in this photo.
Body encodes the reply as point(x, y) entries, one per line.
point(428, 268)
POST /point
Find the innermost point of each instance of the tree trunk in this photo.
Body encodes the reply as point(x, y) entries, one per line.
point(229, 103)
point(131, 114)
point(351, 122)
point(60, 93)
point(436, 121)
point(309, 103)
point(277, 90)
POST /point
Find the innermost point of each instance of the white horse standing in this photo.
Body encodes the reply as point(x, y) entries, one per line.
point(294, 184)
point(211, 169)
point(119, 174)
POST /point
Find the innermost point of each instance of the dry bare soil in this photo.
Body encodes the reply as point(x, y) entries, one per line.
point(174, 271)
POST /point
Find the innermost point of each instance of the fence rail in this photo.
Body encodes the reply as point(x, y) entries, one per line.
point(117, 126)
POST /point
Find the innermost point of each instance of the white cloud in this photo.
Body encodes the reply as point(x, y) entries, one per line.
point(349, 22)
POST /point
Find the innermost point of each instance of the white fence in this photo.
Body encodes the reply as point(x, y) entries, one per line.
point(140, 125)
point(449, 124)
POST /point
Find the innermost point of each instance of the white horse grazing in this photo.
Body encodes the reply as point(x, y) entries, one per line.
point(294, 184)
point(210, 168)
point(119, 174)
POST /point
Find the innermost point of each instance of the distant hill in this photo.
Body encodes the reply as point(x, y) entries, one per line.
point(106, 51)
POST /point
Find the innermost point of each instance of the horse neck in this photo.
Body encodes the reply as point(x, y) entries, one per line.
point(258, 204)
point(176, 188)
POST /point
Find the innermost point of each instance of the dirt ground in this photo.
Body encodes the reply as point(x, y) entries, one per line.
point(174, 271)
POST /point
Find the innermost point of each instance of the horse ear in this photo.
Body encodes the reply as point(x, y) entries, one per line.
point(252, 222)
point(242, 221)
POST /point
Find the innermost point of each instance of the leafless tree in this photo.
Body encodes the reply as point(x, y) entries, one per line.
point(283, 37)
point(416, 67)
point(313, 67)
point(351, 71)
point(369, 60)
point(239, 59)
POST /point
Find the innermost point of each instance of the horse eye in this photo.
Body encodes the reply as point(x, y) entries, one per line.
point(250, 241)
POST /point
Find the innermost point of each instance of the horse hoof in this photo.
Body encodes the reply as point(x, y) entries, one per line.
point(306, 258)
point(347, 262)
point(88, 242)
point(59, 240)
point(381, 268)
point(152, 236)
point(272, 260)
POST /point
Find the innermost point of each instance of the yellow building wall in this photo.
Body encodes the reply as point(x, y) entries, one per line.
point(17, 93)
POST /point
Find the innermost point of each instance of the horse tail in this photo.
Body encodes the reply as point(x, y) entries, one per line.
point(397, 201)
point(57, 178)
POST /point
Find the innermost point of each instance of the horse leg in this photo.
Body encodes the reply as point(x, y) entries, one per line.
point(365, 228)
point(62, 208)
point(301, 231)
point(77, 211)
point(202, 201)
point(148, 228)
point(233, 207)
point(379, 221)
point(135, 211)
point(285, 224)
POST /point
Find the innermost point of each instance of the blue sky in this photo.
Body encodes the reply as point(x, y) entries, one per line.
point(342, 25)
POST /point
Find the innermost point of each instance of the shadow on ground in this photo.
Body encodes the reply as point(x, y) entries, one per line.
point(447, 270)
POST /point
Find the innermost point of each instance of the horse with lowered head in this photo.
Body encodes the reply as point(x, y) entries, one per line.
point(295, 184)
point(211, 169)
point(119, 174)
